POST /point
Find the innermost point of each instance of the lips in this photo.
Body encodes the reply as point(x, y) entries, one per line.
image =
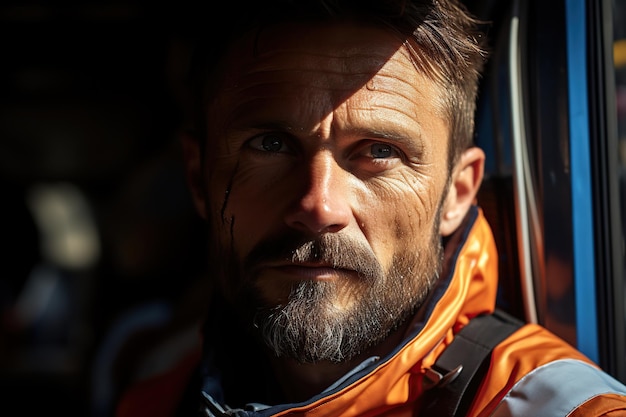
point(315, 272)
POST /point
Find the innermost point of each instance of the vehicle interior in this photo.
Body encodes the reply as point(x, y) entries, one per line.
point(102, 248)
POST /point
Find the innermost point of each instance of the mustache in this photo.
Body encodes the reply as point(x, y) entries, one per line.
point(336, 250)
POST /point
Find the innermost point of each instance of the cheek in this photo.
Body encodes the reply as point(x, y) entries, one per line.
point(245, 203)
point(399, 214)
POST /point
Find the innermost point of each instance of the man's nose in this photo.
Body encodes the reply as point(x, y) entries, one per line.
point(324, 205)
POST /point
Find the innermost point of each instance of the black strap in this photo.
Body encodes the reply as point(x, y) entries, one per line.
point(470, 349)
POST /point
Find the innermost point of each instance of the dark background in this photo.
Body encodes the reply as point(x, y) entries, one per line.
point(97, 224)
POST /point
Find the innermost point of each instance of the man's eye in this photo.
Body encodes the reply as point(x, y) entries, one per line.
point(382, 150)
point(272, 143)
point(269, 143)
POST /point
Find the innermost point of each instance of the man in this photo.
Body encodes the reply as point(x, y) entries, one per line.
point(332, 160)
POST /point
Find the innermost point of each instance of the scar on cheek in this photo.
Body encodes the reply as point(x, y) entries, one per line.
point(223, 209)
point(227, 193)
point(232, 234)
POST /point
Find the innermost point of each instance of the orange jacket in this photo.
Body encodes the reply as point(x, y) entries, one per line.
point(532, 372)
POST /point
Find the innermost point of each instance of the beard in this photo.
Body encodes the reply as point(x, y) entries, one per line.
point(313, 322)
point(309, 328)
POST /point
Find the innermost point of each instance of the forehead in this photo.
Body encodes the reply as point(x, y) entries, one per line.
point(322, 66)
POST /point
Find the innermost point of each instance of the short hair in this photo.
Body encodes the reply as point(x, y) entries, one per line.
point(444, 39)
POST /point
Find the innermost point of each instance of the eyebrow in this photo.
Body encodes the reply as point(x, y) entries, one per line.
point(380, 133)
point(415, 141)
point(387, 134)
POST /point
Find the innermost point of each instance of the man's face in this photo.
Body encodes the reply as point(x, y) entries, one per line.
point(326, 167)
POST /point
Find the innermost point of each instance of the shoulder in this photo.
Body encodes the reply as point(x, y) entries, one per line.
point(545, 375)
point(535, 372)
point(564, 387)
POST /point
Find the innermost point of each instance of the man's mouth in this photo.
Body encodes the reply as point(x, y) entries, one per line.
point(308, 271)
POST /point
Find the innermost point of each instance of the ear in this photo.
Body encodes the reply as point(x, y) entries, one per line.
point(192, 158)
point(467, 175)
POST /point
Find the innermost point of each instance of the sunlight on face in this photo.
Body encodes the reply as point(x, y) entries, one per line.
point(327, 168)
